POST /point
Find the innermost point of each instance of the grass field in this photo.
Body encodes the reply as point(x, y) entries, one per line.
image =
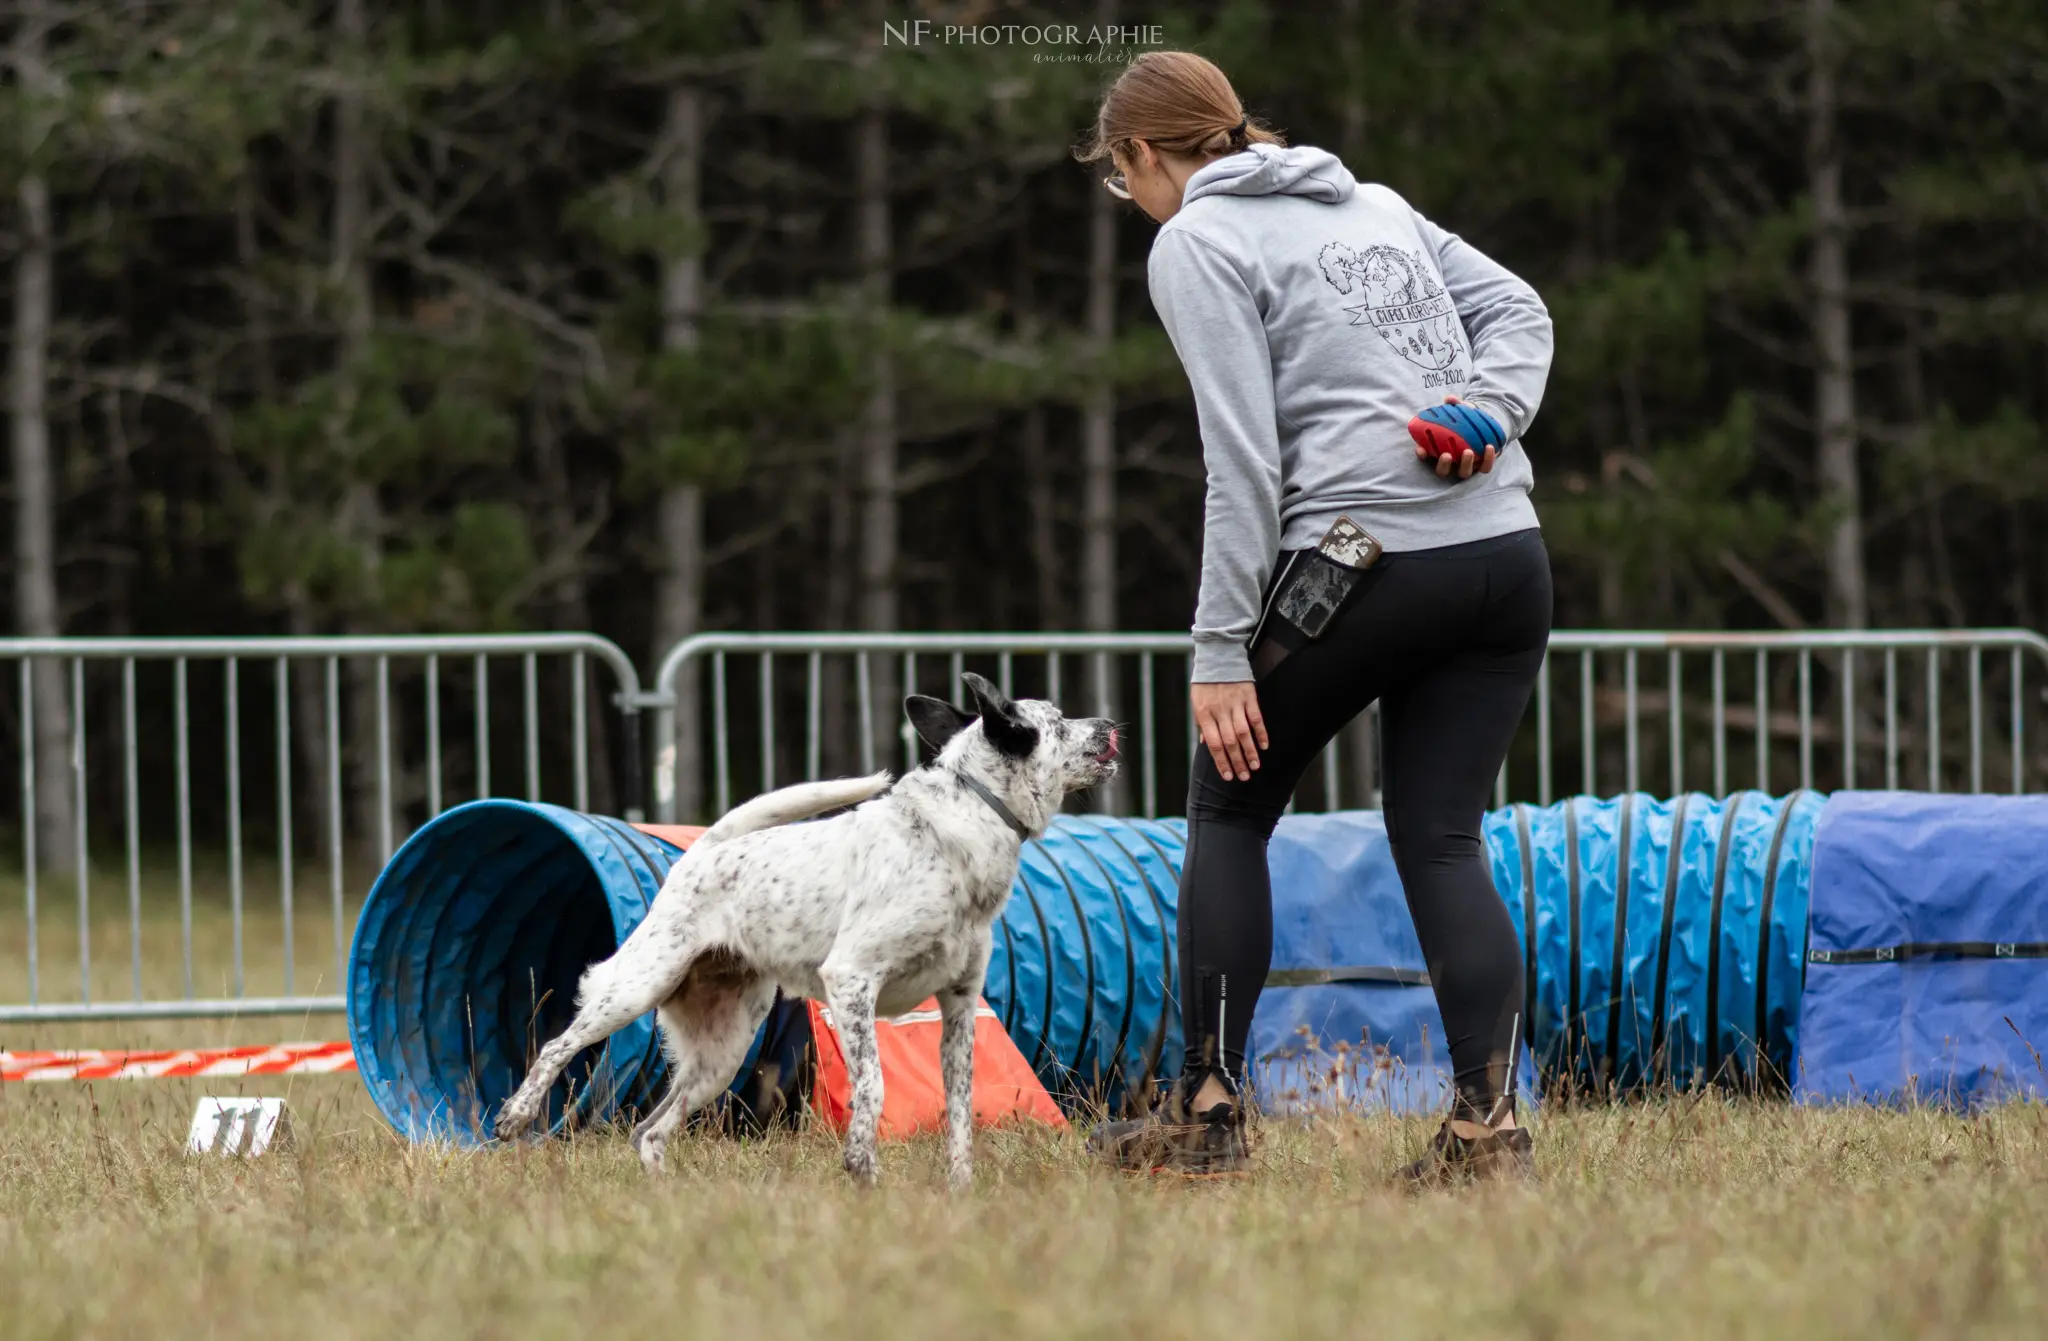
point(114, 952)
point(1693, 1216)
point(1683, 1219)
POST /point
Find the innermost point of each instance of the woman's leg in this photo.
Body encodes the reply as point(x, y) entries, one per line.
point(1224, 928)
point(1225, 921)
point(1447, 730)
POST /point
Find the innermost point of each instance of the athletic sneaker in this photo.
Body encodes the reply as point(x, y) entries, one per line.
point(1171, 1139)
point(1498, 1156)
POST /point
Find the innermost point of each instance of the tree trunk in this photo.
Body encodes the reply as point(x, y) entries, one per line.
point(1098, 463)
point(1041, 502)
point(1351, 114)
point(361, 514)
point(1834, 391)
point(836, 720)
point(572, 611)
point(1610, 588)
point(878, 492)
point(35, 537)
point(308, 724)
point(679, 586)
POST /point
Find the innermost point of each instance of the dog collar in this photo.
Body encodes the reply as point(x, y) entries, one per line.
point(995, 803)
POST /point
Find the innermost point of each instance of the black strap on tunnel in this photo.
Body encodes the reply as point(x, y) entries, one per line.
point(1574, 1028)
point(1673, 860)
point(1045, 939)
point(1615, 977)
point(1381, 973)
point(1087, 1032)
point(1763, 937)
point(1528, 855)
point(1156, 1046)
point(633, 847)
point(1892, 954)
point(1123, 1028)
point(1714, 937)
point(1009, 966)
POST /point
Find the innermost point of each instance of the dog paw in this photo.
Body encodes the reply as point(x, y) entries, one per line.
point(653, 1156)
point(512, 1120)
point(860, 1165)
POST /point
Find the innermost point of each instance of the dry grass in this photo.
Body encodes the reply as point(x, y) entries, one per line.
point(1690, 1217)
point(1682, 1219)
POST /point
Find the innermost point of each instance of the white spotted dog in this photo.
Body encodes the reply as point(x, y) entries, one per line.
point(872, 911)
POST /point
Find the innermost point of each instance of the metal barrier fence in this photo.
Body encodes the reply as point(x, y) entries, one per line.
point(355, 742)
point(844, 724)
point(324, 753)
point(1829, 709)
point(1683, 710)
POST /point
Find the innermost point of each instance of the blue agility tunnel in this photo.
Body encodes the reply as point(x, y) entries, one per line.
point(1666, 941)
point(1667, 935)
point(1084, 973)
point(467, 955)
point(472, 940)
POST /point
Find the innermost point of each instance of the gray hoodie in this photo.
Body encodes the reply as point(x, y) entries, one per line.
point(1315, 317)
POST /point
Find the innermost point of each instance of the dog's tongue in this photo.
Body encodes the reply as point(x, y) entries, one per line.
point(1109, 753)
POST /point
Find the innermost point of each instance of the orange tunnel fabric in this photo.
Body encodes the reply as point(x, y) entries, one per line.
point(913, 1091)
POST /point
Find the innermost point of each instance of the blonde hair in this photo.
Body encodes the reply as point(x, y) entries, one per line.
point(1177, 102)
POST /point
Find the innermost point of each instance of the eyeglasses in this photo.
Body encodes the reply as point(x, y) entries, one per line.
point(1117, 186)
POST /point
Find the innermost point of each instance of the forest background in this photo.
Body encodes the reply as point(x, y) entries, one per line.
point(647, 318)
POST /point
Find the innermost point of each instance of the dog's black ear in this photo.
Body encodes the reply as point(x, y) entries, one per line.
point(935, 720)
point(1001, 724)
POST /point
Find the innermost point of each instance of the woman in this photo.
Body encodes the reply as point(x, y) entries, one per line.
point(1362, 379)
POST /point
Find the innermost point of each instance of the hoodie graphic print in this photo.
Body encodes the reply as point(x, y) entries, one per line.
point(1403, 302)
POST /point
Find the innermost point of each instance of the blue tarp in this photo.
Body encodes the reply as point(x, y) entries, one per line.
point(1372, 1036)
point(1919, 984)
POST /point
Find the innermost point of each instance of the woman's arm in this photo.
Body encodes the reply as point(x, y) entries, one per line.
point(1215, 326)
point(1507, 323)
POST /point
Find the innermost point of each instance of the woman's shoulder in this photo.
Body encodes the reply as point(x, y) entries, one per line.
point(1381, 196)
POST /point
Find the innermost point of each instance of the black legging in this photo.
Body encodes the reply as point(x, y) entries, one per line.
point(1449, 641)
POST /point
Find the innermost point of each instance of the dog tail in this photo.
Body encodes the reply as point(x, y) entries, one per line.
point(791, 804)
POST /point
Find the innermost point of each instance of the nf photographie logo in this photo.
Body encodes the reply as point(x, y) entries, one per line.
point(918, 32)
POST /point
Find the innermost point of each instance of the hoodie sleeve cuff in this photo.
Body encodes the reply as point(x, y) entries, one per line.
point(1220, 661)
point(1499, 411)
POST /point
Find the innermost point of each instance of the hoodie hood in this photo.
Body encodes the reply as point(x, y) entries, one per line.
point(1270, 170)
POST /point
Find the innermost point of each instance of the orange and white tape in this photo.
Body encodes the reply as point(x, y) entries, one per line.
point(270, 1059)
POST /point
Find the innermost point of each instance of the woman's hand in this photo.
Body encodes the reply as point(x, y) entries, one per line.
point(1465, 462)
point(1227, 715)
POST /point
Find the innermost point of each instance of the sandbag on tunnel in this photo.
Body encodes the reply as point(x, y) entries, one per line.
point(1927, 963)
